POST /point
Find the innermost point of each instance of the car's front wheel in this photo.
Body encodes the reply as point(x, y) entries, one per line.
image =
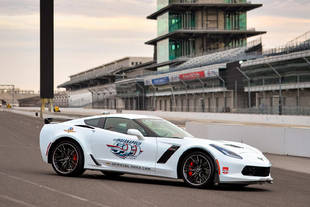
point(68, 159)
point(198, 170)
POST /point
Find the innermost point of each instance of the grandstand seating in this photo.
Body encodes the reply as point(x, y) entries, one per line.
point(7, 97)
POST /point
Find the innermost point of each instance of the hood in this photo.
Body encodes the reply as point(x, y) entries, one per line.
point(237, 147)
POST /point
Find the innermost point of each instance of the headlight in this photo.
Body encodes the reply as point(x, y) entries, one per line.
point(226, 152)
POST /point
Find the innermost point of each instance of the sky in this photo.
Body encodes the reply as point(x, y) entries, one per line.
point(93, 32)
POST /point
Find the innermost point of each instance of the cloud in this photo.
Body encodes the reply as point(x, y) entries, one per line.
point(279, 29)
point(106, 8)
point(90, 33)
point(87, 34)
point(123, 23)
point(93, 8)
point(19, 7)
point(283, 8)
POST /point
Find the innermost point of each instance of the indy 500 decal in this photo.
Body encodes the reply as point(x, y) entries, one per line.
point(125, 148)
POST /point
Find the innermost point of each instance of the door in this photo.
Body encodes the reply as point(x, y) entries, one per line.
point(114, 149)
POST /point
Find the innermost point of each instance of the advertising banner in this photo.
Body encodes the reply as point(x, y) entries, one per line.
point(160, 81)
point(192, 75)
point(211, 73)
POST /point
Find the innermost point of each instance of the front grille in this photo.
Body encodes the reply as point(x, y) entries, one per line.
point(256, 171)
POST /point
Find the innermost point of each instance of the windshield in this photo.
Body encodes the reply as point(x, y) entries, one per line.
point(163, 128)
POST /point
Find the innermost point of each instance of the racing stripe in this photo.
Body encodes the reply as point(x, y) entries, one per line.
point(165, 157)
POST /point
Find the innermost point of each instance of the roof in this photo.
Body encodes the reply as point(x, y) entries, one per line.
point(100, 73)
point(127, 116)
point(193, 6)
point(104, 65)
point(278, 58)
point(225, 56)
point(35, 97)
point(187, 33)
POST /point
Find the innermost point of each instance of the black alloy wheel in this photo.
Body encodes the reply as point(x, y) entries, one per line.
point(198, 170)
point(68, 159)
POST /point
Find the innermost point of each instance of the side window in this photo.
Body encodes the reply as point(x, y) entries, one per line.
point(94, 122)
point(122, 125)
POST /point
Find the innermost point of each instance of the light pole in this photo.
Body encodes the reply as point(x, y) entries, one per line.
point(280, 86)
point(46, 53)
point(143, 104)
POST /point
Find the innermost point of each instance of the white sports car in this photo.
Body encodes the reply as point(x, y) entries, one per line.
point(147, 145)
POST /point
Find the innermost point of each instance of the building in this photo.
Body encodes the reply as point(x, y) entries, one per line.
point(279, 82)
point(34, 101)
point(195, 27)
point(96, 87)
point(200, 84)
point(243, 80)
point(9, 94)
point(202, 63)
point(61, 98)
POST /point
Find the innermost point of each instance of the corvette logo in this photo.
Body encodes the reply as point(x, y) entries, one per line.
point(124, 148)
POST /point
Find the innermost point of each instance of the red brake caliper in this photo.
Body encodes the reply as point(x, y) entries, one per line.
point(75, 157)
point(190, 173)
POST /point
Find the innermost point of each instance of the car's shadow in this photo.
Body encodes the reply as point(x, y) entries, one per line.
point(170, 182)
point(148, 180)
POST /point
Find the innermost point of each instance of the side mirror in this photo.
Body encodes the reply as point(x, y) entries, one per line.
point(136, 133)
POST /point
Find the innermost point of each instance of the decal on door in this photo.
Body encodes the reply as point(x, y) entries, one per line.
point(225, 170)
point(124, 148)
point(69, 130)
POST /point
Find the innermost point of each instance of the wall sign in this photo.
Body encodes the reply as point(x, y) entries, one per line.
point(192, 75)
point(160, 81)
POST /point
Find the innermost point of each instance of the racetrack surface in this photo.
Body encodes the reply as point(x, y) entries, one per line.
point(26, 181)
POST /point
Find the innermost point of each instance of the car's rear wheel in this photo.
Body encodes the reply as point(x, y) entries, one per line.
point(68, 159)
point(198, 170)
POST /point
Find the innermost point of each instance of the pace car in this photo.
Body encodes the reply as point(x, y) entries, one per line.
point(116, 144)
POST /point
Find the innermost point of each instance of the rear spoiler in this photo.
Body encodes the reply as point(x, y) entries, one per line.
point(55, 121)
point(48, 120)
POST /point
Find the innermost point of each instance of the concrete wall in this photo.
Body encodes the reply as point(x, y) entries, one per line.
point(290, 98)
point(79, 98)
point(276, 140)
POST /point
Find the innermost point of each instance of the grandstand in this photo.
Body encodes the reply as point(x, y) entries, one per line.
point(198, 84)
point(103, 74)
point(260, 82)
point(281, 80)
point(244, 80)
point(10, 95)
point(96, 87)
point(202, 63)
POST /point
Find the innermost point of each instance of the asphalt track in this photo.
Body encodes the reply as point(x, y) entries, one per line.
point(27, 182)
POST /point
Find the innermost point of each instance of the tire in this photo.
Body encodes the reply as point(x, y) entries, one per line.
point(197, 170)
point(68, 159)
point(111, 174)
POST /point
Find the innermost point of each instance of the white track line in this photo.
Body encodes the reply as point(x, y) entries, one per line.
point(14, 200)
point(54, 190)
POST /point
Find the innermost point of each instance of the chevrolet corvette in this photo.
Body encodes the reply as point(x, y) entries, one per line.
point(116, 144)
